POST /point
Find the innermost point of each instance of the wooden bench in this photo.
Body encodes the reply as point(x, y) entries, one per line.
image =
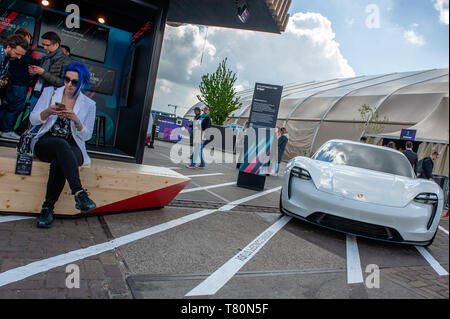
point(113, 186)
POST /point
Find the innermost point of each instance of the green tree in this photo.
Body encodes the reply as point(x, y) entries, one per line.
point(218, 92)
point(375, 125)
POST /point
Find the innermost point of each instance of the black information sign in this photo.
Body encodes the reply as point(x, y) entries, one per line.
point(265, 105)
point(263, 118)
point(23, 164)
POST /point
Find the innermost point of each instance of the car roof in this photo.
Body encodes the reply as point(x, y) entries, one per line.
point(364, 145)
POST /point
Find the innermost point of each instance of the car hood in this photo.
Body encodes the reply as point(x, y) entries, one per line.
point(366, 185)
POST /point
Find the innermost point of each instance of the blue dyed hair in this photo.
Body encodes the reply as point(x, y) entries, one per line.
point(84, 76)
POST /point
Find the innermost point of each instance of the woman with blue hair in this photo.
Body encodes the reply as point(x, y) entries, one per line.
point(67, 117)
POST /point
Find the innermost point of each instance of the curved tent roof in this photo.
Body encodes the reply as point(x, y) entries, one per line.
point(314, 112)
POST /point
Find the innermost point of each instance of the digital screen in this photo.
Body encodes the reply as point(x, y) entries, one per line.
point(172, 129)
point(89, 41)
point(409, 135)
point(102, 79)
point(11, 20)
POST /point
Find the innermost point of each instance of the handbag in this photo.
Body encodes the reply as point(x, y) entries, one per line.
point(24, 144)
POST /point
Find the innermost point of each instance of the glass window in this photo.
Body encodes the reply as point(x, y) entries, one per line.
point(364, 156)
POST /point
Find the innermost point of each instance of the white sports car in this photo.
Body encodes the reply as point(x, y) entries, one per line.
point(365, 190)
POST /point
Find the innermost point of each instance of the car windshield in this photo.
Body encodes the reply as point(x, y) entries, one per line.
point(362, 156)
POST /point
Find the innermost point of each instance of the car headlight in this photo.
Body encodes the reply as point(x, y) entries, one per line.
point(431, 199)
point(300, 173)
point(426, 198)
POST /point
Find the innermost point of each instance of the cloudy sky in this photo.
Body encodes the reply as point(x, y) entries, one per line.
point(324, 39)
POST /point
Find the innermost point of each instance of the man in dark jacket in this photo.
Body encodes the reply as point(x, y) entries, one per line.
point(427, 166)
point(205, 123)
point(16, 91)
point(411, 155)
point(282, 142)
point(51, 70)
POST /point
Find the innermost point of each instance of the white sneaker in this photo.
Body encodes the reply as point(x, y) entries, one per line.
point(10, 135)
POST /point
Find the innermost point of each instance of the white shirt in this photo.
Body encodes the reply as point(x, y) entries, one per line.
point(84, 108)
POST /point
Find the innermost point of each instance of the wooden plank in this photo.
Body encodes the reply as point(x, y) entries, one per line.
point(106, 181)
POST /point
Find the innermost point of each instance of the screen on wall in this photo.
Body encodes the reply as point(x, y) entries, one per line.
point(171, 129)
point(11, 20)
point(102, 79)
point(88, 41)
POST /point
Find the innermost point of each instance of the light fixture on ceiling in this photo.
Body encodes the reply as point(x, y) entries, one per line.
point(45, 3)
point(242, 12)
point(101, 20)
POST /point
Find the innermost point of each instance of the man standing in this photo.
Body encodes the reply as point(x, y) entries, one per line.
point(282, 142)
point(204, 122)
point(411, 155)
point(197, 115)
point(427, 166)
point(52, 67)
point(16, 91)
point(66, 50)
point(14, 47)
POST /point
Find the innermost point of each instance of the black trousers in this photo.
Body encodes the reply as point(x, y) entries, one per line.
point(64, 157)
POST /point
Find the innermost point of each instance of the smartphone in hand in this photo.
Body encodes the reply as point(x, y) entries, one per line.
point(60, 106)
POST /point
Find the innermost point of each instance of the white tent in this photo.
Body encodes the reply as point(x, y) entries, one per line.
point(315, 112)
point(433, 132)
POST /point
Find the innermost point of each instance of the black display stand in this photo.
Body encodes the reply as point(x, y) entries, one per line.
point(251, 181)
point(263, 115)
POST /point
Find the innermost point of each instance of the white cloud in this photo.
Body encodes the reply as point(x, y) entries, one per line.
point(442, 7)
point(306, 51)
point(412, 37)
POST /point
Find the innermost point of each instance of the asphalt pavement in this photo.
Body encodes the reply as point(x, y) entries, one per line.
point(215, 241)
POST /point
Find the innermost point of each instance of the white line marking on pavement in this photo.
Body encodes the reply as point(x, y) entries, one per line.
point(222, 275)
point(4, 219)
point(204, 175)
point(433, 262)
point(37, 267)
point(443, 229)
point(202, 188)
point(354, 270)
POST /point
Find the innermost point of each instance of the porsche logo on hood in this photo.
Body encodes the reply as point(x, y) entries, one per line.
point(360, 196)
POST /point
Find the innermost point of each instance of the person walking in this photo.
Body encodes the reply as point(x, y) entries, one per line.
point(411, 155)
point(67, 117)
point(427, 166)
point(16, 91)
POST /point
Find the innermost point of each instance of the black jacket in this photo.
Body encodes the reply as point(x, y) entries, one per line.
point(18, 70)
point(412, 158)
point(282, 142)
point(427, 168)
point(206, 123)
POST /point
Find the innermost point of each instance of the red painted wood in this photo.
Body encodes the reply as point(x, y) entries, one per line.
point(158, 198)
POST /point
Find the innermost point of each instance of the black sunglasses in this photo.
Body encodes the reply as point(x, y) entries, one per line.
point(68, 80)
